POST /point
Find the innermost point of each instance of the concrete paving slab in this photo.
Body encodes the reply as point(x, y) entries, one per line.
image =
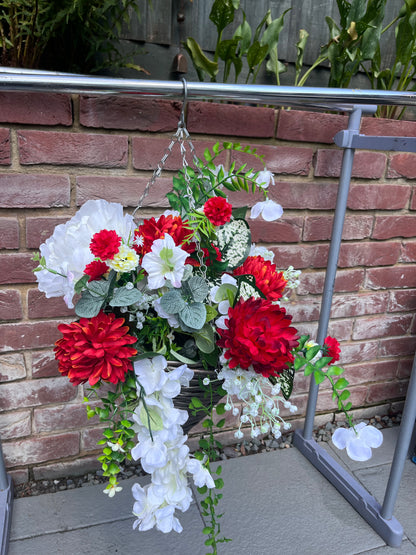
point(277, 502)
point(407, 548)
point(375, 481)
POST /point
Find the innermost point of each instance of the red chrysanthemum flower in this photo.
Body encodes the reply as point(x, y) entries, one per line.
point(331, 349)
point(96, 269)
point(270, 282)
point(218, 210)
point(259, 334)
point(105, 244)
point(152, 229)
point(95, 349)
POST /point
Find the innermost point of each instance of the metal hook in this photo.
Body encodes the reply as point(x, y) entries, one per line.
point(185, 100)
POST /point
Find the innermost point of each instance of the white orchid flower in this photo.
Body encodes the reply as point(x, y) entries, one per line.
point(269, 210)
point(358, 442)
point(166, 261)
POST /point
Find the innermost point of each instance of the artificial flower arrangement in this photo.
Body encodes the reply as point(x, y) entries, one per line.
point(190, 287)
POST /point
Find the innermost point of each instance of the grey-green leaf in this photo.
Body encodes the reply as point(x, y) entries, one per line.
point(172, 301)
point(198, 287)
point(125, 297)
point(88, 306)
point(193, 315)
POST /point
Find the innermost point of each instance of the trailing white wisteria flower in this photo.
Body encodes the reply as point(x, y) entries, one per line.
point(358, 442)
point(166, 261)
point(67, 251)
point(268, 209)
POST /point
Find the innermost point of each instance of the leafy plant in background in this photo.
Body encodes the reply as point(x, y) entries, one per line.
point(70, 33)
point(254, 48)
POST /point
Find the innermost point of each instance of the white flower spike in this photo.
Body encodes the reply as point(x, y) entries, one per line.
point(358, 443)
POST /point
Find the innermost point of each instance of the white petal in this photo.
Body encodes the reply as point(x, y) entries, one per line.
point(357, 450)
point(256, 210)
point(272, 211)
point(340, 437)
point(372, 436)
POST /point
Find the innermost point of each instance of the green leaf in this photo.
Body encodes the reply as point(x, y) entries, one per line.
point(204, 339)
point(207, 530)
point(172, 301)
point(81, 283)
point(193, 315)
point(220, 409)
point(201, 62)
point(344, 395)
point(99, 288)
point(341, 384)
point(243, 31)
point(203, 443)
point(198, 288)
point(256, 54)
point(222, 14)
point(125, 297)
point(312, 352)
point(195, 402)
point(319, 377)
point(299, 362)
point(88, 306)
point(220, 423)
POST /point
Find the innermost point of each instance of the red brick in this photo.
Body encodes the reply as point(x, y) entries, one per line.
point(402, 225)
point(367, 165)
point(61, 417)
point(15, 424)
point(121, 112)
point(341, 329)
point(378, 371)
point(359, 351)
point(397, 346)
point(19, 476)
point(5, 153)
point(378, 197)
point(388, 127)
point(391, 278)
point(230, 119)
point(319, 228)
point(286, 230)
point(305, 195)
point(89, 438)
point(357, 305)
point(369, 254)
point(345, 281)
point(379, 392)
point(402, 300)
point(305, 311)
point(303, 256)
point(12, 367)
point(148, 151)
point(33, 393)
point(408, 251)
point(41, 307)
point(9, 233)
point(381, 326)
point(10, 305)
point(35, 108)
point(41, 449)
point(358, 396)
point(125, 190)
point(34, 191)
point(44, 365)
point(17, 268)
point(313, 127)
point(287, 160)
point(59, 148)
point(405, 368)
point(28, 335)
point(38, 229)
point(402, 165)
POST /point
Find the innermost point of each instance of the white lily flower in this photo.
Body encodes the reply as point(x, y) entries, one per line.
point(166, 261)
point(269, 210)
point(359, 442)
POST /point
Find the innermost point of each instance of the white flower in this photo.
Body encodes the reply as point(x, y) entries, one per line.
point(111, 490)
point(115, 446)
point(67, 251)
point(166, 261)
point(261, 251)
point(264, 179)
point(206, 381)
point(150, 373)
point(269, 210)
point(358, 442)
point(171, 318)
point(200, 474)
point(238, 434)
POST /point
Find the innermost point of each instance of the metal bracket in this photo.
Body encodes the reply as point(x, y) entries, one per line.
point(349, 138)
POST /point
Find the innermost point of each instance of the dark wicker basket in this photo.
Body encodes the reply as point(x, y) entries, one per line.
point(183, 400)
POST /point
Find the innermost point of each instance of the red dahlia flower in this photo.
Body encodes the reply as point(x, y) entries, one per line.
point(105, 244)
point(331, 349)
point(258, 334)
point(270, 282)
point(152, 229)
point(96, 269)
point(95, 349)
point(218, 210)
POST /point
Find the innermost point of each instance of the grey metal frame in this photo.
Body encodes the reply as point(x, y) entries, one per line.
point(356, 102)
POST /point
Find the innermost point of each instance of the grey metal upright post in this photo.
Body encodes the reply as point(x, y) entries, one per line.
point(364, 503)
point(6, 502)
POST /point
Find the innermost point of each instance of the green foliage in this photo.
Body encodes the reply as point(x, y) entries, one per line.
point(78, 30)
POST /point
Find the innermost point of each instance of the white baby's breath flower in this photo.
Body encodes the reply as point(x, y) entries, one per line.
point(206, 381)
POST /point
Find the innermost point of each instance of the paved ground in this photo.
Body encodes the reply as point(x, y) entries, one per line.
point(274, 503)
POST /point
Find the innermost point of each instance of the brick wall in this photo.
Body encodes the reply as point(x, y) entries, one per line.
point(57, 151)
